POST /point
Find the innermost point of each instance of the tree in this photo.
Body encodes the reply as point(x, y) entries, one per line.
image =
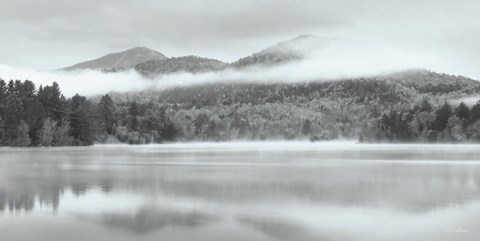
point(199, 123)
point(22, 138)
point(462, 111)
point(443, 114)
point(475, 112)
point(133, 112)
point(11, 88)
point(83, 123)
point(2, 132)
point(13, 116)
point(307, 127)
point(62, 135)
point(170, 132)
point(53, 101)
point(426, 106)
point(426, 119)
point(473, 131)
point(106, 110)
point(211, 131)
point(47, 132)
point(3, 96)
point(151, 124)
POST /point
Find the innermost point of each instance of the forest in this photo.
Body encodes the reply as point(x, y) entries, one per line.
point(397, 108)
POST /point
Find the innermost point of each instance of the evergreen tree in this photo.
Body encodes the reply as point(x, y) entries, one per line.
point(425, 106)
point(3, 96)
point(133, 112)
point(13, 117)
point(53, 101)
point(106, 110)
point(83, 123)
point(443, 114)
point(11, 87)
point(199, 123)
point(170, 132)
point(307, 127)
point(2, 133)
point(475, 112)
point(462, 111)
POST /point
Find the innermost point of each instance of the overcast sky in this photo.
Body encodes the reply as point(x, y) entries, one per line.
point(46, 34)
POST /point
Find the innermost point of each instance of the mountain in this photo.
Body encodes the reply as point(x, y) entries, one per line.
point(120, 60)
point(189, 64)
point(286, 51)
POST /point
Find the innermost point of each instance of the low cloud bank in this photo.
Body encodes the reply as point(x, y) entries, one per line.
point(88, 82)
point(335, 62)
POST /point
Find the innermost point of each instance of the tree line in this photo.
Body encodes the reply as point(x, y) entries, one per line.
point(426, 123)
point(370, 109)
point(44, 117)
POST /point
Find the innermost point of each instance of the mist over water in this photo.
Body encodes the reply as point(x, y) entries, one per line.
point(241, 191)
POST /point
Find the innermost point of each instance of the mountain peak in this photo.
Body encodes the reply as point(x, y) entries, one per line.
point(120, 60)
point(286, 51)
point(134, 49)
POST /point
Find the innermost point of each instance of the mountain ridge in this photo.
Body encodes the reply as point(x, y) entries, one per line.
point(189, 64)
point(119, 60)
point(278, 53)
point(151, 63)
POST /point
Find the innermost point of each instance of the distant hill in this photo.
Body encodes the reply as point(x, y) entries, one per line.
point(425, 81)
point(401, 106)
point(286, 51)
point(401, 87)
point(189, 64)
point(120, 60)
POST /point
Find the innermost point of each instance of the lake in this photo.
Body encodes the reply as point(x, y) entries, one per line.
point(241, 191)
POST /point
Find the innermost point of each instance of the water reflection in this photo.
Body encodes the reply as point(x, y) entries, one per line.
point(307, 194)
point(146, 220)
point(275, 228)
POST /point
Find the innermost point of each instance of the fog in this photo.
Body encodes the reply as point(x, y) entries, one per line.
point(87, 82)
point(340, 59)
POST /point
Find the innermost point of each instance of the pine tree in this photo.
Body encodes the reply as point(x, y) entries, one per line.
point(475, 112)
point(462, 111)
point(106, 110)
point(307, 127)
point(83, 123)
point(443, 114)
point(3, 96)
point(13, 116)
point(133, 112)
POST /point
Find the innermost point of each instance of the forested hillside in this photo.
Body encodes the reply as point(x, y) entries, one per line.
point(152, 64)
point(189, 64)
point(284, 52)
point(407, 106)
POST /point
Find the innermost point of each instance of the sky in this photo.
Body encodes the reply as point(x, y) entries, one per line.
point(46, 34)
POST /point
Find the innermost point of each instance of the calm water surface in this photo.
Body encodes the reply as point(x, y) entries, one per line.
point(256, 191)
